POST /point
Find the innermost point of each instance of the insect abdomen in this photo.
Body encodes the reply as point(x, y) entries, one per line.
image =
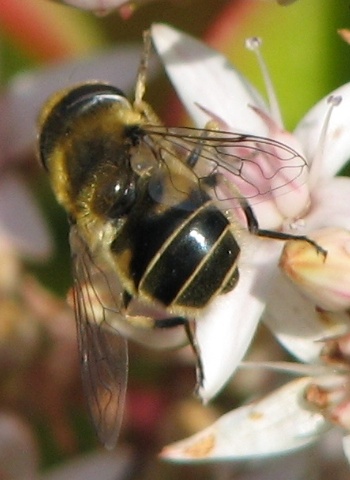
point(181, 258)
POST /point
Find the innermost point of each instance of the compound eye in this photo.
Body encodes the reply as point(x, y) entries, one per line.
point(70, 104)
point(64, 109)
point(88, 97)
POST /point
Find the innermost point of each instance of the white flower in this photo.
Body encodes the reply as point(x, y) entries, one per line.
point(292, 417)
point(261, 428)
point(204, 78)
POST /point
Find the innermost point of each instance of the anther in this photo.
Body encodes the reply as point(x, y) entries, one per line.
point(334, 100)
point(253, 43)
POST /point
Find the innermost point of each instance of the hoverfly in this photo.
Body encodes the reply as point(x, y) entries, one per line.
point(151, 223)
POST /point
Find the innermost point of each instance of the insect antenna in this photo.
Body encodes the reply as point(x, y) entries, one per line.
point(143, 68)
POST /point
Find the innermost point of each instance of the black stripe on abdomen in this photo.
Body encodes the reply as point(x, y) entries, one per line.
point(218, 270)
point(192, 246)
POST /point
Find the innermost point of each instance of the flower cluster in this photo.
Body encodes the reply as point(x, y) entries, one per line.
point(303, 318)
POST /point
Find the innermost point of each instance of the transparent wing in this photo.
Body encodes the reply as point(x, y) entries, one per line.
point(258, 167)
point(103, 353)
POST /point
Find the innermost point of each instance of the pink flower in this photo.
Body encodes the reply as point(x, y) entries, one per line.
point(210, 88)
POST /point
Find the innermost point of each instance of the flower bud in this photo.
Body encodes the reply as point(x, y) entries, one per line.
point(325, 280)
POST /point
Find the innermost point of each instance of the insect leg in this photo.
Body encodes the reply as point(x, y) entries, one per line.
point(254, 229)
point(196, 350)
point(126, 299)
point(145, 321)
point(139, 104)
point(139, 321)
point(142, 72)
point(170, 322)
point(175, 321)
point(148, 322)
point(194, 156)
point(214, 180)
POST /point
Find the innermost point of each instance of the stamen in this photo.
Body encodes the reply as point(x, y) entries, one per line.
point(254, 44)
point(333, 101)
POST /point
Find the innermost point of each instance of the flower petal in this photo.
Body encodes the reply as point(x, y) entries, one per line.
point(330, 205)
point(336, 151)
point(225, 329)
point(21, 223)
point(24, 97)
point(201, 76)
point(276, 424)
point(297, 324)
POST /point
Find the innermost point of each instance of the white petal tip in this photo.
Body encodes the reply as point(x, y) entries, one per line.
point(185, 451)
point(277, 424)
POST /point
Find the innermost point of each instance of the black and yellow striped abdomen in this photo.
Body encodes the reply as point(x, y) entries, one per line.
point(177, 256)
